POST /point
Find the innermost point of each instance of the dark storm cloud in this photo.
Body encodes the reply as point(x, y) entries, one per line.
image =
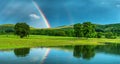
point(60, 12)
point(13, 11)
point(64, 12)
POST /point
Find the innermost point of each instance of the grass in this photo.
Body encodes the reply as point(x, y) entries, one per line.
point(12, 41)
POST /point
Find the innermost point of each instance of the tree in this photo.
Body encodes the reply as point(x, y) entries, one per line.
point(22, 29)
point(78, 30)
point(88, 29)
point(60, 33)
point(110, 35)
point(9, 31)
point(99, 34)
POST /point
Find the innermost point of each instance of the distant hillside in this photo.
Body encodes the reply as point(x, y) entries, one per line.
point(99, 28)
point(64, 27)
point(71, 26)
point(108, 27)
point(6, 27)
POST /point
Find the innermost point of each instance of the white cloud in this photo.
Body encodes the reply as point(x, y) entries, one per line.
point(118, 5)
point(34, 16)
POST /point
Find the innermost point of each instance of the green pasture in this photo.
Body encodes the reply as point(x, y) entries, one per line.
point(12, 41)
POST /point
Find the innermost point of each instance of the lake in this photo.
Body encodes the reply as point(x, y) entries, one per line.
point(79, 54)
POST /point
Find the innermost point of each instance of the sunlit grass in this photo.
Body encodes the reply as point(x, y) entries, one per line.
point(11, 41)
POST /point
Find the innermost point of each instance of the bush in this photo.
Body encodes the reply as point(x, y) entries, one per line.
point(110, 35)
point(99, 35)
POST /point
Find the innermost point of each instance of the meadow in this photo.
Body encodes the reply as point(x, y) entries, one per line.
point(12, 41)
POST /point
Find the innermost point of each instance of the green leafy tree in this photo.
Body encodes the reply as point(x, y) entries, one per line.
point(78, 30)
point(110, 35)
point(88, 29)
point(60, 33)
point(99, 35)
point(22, 29)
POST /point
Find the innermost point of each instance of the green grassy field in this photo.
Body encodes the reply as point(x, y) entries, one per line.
point(12, 41)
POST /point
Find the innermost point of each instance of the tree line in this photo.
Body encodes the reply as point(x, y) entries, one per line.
point(88, 30)
point(80, 30)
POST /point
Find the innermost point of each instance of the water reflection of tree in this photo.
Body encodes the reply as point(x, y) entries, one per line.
point(84, 51)
point(111, 49)
point(21, 52)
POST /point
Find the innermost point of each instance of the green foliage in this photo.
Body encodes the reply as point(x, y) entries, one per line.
point(114, 28)
point(78, 30)
point(110, 35)
point(87, 29)
point(9, 31)
point(52, 32)
point(90, 30)
point(6, 29)
point(60, 33)
point(69, 32)
point(22, 29)
point(99, 35)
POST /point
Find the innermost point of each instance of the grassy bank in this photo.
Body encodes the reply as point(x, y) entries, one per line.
point(12, 41)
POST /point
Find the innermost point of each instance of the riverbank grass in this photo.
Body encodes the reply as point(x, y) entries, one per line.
point(12, 41)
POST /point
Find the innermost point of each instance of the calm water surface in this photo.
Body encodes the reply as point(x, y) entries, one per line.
point(107, 54)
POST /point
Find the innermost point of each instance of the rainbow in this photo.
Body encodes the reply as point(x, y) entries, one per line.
point(47, 25)
point(45, 55)
point(42, 14)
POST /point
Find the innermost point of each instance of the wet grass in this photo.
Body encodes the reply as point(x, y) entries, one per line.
point(12, 41)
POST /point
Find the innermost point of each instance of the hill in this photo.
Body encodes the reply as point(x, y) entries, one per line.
point(6, 28)
point(108, 27)
point(99, 28)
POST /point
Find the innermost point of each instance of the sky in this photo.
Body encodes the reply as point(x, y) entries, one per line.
point(59, 12)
